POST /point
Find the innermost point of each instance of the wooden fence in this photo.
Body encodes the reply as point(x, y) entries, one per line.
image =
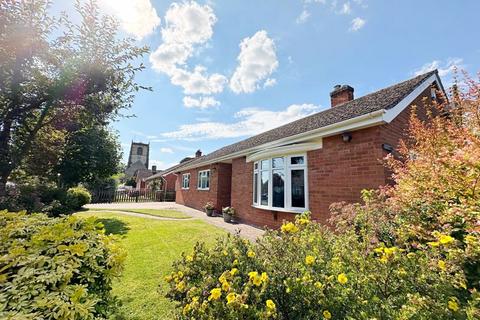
point(109, 196)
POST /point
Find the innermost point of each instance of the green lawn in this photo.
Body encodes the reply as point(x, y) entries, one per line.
point(152, 212)
point(152, 246)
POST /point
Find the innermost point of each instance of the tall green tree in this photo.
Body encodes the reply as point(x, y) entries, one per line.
point(55, 72)
point(90, 155)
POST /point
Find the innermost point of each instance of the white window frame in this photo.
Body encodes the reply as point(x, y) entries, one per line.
point(288, 167)
point(201, 174)
point(186, 178)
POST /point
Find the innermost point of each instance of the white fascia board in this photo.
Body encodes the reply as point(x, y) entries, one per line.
point(284, 150)
point(392, 113)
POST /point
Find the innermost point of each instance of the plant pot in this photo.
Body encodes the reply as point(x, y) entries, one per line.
point(227, 217)
point(209, 212)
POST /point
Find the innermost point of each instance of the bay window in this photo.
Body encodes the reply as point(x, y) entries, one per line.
point(203, 182)
point(281, 183)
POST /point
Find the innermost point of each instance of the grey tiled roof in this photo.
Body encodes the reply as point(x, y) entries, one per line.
point(382, 99)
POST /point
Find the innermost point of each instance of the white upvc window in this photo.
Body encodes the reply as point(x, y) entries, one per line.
point(280, 183)
point(186, 181)
point(203, 182)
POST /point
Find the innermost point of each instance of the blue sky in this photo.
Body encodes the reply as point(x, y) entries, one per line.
point(224, 70)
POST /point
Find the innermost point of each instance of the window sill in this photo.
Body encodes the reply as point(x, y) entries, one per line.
point(199, 189)
point(185, 188)
point(292, 210)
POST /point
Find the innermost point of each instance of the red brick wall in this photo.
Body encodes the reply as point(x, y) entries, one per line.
point(219, 192)
point(171, 180)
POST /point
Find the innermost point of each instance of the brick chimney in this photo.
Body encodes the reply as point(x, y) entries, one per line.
point(341, 94)
point(198, 154)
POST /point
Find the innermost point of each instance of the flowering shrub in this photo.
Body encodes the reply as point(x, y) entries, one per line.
point(209, 206)
point(56, 268)
point(304, 271)
point(229, 210)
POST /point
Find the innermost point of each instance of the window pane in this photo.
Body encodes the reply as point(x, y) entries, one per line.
point(265, 164)
point(255, 188)
point(278, 189)
point(264, 188)
point(298, 188)
point(256, 165)
point(277, 162)
point(297, 160)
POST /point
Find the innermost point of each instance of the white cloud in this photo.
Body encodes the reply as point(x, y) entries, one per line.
point(444, 69)
point(250, 121)
point(136, 17)
point(270, 82)
point(188, 27)
point(357, 24)
point(257, 60)
point(201, 102)
point(166, 150)
point(346, 8)
point(303, 17)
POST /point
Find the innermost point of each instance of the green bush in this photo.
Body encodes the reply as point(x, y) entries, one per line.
point(35, 197)
point(56, 268)
point(305, 271)
point(78, 197)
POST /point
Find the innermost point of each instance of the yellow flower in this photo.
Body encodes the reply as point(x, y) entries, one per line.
point(252, 274)
point(264, 277)
point(235, 262)
point(225, 286)
point(250, 254)
point(303, 221)
point(222, 278)
point(255, 278)
point(327, 314)
point(289, 227)
point(225, 253)
point(453, 305)
point(433, 244)
point(186, 309)
point(231, 297)
point(441, 265)
point(390, 251)
point(215, 294)
point(383, 259)
point(233, 271)
point(270, 305)
point(469, 239)
point(189, 258)
point(342, 278)
point(288, 290)
point(180, 286)
point(168, 278)
point(309, 260)
point(318, 285)
point(446, 239)
point(180, 274)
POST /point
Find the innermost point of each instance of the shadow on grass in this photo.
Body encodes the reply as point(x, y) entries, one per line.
point(114, 226)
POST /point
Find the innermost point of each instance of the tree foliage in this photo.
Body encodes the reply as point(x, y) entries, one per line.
point(90, 155)
point(57, 74)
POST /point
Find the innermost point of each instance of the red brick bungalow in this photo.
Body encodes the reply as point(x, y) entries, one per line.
point(310, 163)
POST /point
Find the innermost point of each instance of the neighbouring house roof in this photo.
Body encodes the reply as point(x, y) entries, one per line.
point(383, 99)
point(157, 175)
point(170, 170)
point(142, 174)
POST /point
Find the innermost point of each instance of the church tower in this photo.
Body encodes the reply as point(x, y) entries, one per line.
point(138, 157)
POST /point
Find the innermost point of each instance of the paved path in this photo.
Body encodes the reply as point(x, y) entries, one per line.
point(246, 231)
